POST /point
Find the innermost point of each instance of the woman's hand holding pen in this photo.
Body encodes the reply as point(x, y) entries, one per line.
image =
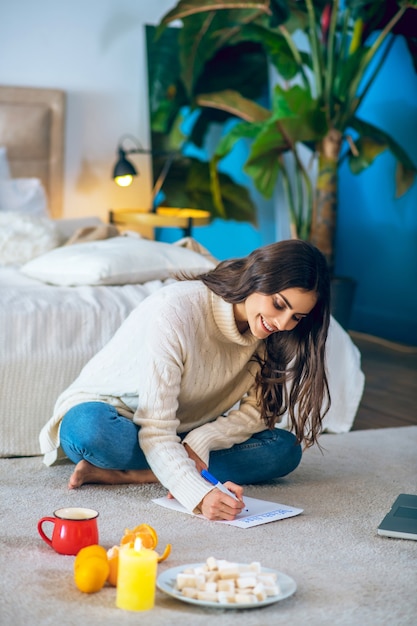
point(217, 505)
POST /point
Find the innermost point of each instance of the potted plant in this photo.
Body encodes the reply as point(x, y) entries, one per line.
point(322, 82)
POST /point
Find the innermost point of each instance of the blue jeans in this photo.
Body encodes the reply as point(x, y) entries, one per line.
point(94, 431)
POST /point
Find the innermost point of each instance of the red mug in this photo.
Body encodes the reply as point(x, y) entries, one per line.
point(74, 528)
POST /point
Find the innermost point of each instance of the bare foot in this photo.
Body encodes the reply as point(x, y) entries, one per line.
point(86, 473)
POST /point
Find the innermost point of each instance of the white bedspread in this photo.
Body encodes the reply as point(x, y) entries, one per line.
point(47, 334)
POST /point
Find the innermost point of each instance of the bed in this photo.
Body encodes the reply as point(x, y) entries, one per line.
point(67, 285)
point(50, 325)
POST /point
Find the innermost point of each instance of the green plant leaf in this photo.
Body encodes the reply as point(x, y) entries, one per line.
point(185, 8)
point(269, 139)
point(241, 130)
point(307, 121)
point(188, 184)
point(198, 44)
point(372, 141)
point(368, 149)
point(203, 36)
point(276, 47)
point(404, 178)
point(263, 162)
point(365, 128)
point(274, 135)
point(263, 170)
point(235, 104)
point(280, 12)
point(343, 79)
point(166, 91)
point(281, 105)
point(219, 73)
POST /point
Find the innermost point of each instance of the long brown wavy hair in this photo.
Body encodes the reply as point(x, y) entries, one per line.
point(292, 375)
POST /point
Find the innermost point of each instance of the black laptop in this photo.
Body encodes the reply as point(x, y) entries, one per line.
point(401, 521)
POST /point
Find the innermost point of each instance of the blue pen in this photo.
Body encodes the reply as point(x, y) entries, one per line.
point(211, 479)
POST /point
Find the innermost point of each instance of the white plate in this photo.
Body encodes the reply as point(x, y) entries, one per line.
point(166, 582)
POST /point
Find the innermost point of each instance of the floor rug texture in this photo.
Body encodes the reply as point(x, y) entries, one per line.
point(346, 573)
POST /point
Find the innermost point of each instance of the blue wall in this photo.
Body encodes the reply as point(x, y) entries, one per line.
point(377, 234)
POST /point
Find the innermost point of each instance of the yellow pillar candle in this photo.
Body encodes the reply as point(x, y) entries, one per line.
point(136, 577)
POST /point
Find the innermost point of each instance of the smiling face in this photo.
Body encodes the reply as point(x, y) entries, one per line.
point(267, 314)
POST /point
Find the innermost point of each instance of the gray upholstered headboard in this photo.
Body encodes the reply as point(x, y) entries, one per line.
point(32, 127)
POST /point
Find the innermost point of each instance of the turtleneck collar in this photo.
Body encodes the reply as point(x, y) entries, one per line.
point(226, 323)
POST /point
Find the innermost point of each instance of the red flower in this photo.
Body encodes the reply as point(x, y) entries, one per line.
point(325, 21)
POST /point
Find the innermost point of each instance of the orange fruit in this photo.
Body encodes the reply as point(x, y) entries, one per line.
point(91, 574)
point(146, 533)
point(113, 558)
point(146, 529)
point(149, 539)
point(165, 553)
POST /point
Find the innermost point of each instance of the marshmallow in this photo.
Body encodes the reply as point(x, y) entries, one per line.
point(226, 582)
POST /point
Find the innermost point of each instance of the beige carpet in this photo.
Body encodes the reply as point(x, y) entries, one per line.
point(346, 574)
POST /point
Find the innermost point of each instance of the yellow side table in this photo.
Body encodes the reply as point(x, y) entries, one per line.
point(164, 217)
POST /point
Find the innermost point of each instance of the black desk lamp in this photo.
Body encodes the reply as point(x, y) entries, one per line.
point(124, 170)
point(123, 173)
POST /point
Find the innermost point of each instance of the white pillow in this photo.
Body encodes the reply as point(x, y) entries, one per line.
point(24, 237)
point(4, 164)
point(115, 261)
point(26, 195)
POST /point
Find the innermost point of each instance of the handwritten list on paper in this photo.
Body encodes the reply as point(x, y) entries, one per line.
point(256, 511)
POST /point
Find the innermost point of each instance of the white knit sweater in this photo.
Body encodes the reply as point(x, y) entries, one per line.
point(177, 364)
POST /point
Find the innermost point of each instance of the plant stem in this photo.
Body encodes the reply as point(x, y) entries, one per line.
point(357, 102)
point(329, 71)
point(365, 63)
point(296, 54)
point(315, 49)
point(290, 199)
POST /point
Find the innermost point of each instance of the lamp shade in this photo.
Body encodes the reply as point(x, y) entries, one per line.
point(123, 171)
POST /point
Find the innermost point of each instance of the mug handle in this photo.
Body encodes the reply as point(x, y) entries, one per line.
point(41, 531)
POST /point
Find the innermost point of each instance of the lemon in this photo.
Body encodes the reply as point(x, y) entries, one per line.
point(88, 551)
point(91, 573)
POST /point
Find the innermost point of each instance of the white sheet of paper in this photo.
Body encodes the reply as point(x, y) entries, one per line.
point(256, 511)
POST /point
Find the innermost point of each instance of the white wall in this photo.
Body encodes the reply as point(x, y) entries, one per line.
point(95, 51)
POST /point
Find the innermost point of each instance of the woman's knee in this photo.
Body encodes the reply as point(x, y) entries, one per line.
point(265, 456)
point(94, 431)
point(83, 423)
point(285, 453)
point(293, 450)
